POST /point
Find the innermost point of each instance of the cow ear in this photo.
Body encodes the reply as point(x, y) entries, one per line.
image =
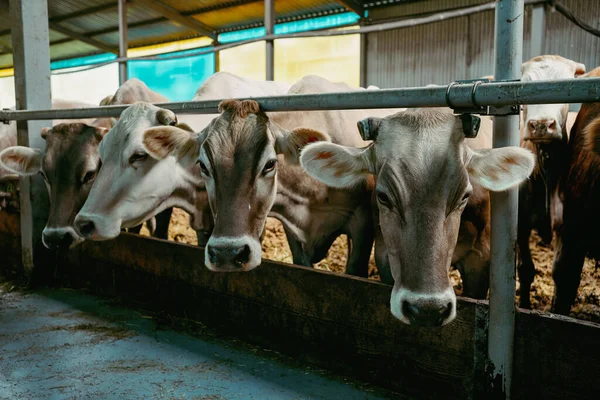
point(579, 69)
point(592, 137)
point(44, 132)
point(163, 141)
point(100, 131)
point(291, 143)
point(21, 160)
point(336, 165)
point(500, 169)
point(166, 117)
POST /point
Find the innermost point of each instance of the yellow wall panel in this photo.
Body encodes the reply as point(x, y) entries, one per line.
point(247, 61)
point(334, 58)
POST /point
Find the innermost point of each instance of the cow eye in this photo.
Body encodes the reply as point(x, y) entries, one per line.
point(89, 176)
point(203, 168)
point(464, 200)
point(137, 157)
point(384, 199)
point(269, 166)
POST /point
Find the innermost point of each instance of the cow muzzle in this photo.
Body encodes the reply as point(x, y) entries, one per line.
point(61, 238)
point(96, 227)
point(543, 130)
point(230, 254)
point(424, 310)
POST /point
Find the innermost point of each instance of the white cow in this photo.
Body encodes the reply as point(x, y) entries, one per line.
point(545, 132)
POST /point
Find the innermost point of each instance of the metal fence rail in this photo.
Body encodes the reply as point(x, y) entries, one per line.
point(455, 95)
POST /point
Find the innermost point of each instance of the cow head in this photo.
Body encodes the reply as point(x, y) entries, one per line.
point(69, 167)
point(546, 123)
point(425, 174)
point(238, 155)
point(131, 187)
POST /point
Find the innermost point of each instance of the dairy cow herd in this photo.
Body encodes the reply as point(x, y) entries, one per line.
point(413, 183)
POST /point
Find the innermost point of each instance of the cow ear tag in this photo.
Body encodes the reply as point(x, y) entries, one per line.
point(368, 128)
point(470, 125)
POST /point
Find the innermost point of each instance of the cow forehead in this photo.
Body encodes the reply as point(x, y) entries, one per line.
point(68, 150)
point(416, 153)
point(548, 68)
point(414, 134)
point(237, 140)
point(129, 130)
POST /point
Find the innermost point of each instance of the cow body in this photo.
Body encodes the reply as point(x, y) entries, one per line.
point(544, 133)
point(578, 235)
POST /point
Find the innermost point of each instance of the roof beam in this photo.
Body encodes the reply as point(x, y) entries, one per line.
point(174, 15)
point(354, 5)
point(219, 6)
point(85, 12)
point(82, 38)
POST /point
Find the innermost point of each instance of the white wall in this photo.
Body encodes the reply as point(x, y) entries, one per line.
point(7, 92)
point(89, 86)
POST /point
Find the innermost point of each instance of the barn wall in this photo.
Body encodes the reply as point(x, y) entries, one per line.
point(462, 48)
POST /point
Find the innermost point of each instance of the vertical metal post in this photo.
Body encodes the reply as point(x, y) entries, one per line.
point(269, 26)
point(363, 59)
point(538, 26)
point(122, 41)
point(31, 57)
point(504, 207)
point(217, 61)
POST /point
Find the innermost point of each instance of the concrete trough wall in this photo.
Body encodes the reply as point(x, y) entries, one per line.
point(340, 322)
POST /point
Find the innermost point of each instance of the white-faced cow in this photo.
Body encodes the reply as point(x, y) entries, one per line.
point(578, 236)
point(426, 175)
point(545, 133)
point(131, 186)
point(69, 166)
point(249, 162)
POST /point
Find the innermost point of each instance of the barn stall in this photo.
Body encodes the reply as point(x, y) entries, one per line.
point(338, 322)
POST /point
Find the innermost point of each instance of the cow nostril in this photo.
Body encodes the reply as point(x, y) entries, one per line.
point(410, 310)
point(532, 124)
point(551, 124)
point(212, 254)
point(445, 313)
point(86, 228)
point(242, 256)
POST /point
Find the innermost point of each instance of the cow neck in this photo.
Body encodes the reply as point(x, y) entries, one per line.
point(186, 195)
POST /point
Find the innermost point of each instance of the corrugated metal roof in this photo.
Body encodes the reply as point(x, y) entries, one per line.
point(98, 21)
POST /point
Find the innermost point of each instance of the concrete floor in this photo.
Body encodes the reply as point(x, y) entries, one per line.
point(62, 344)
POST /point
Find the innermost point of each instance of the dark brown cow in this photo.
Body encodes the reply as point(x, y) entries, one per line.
point(578, 236)
point(69, 167)
point(544, 133)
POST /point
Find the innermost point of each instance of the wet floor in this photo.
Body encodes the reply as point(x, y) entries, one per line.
point(62, 344)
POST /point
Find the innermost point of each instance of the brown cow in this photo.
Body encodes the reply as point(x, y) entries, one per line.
point(580, 189)
point(544, 133)
point(427, 176)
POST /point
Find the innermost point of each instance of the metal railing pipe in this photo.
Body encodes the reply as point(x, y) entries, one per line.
point(457, 95)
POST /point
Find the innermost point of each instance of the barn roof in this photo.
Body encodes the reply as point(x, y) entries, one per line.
point(85, 27)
